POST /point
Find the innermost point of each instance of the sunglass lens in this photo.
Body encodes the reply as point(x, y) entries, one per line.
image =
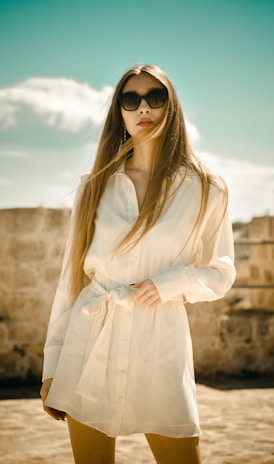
point(130, 101)
point(157, 98)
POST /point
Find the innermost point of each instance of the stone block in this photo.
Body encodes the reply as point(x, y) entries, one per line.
point(26, 277)
point(5, 342)
point(51, 274)
point(21, 301)
point(5, 298)
point(36, 349)
point(261, 228)
point(268, 275)
point(35, 366)
point(255, 275)
point(27, 249)
point(4, 250)
point(26, 332)
point(20, 220)
point(235, 329)
point(262, 298)
point(13, 365)
point(7, 278)
point(204, 329)
point(261, 329)
point(56, 219)
point(241, 359)
point(56, 249)
point(208, 357)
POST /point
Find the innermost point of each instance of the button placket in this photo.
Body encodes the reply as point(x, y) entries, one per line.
point(123, 351)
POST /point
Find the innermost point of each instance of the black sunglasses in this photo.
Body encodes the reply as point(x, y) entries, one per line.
point(131, 101)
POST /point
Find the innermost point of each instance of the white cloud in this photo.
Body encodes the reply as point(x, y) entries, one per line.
point(66, 175)
point(192, 131)
point(7, 113)
point(4, 182)
point(56, 102)
point(14, 153)
point(251, 186)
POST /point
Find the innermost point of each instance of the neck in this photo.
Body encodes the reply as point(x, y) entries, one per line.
point(142, 157)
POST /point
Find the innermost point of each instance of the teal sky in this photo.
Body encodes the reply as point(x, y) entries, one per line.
point(219, 55)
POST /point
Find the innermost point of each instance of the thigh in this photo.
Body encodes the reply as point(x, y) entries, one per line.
point(169, 450)
point(90, 445)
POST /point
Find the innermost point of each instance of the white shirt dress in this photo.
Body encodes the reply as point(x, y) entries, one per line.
point(117, 365)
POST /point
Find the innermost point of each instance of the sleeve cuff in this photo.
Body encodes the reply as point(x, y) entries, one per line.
point(170, 283)
point(190, 284)
point(51, 357)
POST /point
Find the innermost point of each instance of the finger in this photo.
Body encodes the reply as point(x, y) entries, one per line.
point(57, 415)
point(143, 287)
point(146, 292)
point(138, 285)
point(150, 297)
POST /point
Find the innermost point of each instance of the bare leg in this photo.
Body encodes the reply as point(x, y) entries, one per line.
point(90, 445)
point(168, 450)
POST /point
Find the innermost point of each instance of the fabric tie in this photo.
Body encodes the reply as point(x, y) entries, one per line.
point(103, 305)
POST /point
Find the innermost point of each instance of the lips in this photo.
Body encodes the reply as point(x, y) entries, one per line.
point(144, 122)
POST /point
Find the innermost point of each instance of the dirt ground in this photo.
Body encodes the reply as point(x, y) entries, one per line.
point(237, 424)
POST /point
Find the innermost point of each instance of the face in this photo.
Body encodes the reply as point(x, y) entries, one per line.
point(144, 116)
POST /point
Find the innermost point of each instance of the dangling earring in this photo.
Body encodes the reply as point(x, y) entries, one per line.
point(125, 135)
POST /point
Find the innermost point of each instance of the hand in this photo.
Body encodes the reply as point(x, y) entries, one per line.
point(58, 415)
point(146, 293)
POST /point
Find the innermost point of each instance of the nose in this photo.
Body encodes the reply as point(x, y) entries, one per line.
point(144, 107)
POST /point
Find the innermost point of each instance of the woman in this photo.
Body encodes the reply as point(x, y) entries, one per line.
point(149, 231)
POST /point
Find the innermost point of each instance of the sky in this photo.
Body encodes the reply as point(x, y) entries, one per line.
point(61, 59)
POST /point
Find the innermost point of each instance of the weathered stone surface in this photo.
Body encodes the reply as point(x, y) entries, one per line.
point(6, 343)
point(31, 249)
point(50, 274)
point(23, 249)
point(255, 273)
point(228, 336)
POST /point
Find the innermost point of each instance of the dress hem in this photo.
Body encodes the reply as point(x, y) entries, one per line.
point(133, 428)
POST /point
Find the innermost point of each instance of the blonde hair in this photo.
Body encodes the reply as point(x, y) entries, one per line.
point(172, 151)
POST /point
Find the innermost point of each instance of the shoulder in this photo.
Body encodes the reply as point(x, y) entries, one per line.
point(84, 177)
point(205, 175)
point(82, 182)
point(79, 189)
point(205, 184)
point(186, 176)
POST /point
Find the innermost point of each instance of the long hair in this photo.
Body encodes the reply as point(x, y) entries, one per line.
point(172, 151)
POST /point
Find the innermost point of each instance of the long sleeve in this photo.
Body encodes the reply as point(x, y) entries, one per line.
point(62, 304)
point(213, 273)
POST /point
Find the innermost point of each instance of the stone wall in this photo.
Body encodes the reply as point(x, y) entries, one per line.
point(262, 262)
point(31, 247)
point(229, 337)
point(229, 341)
